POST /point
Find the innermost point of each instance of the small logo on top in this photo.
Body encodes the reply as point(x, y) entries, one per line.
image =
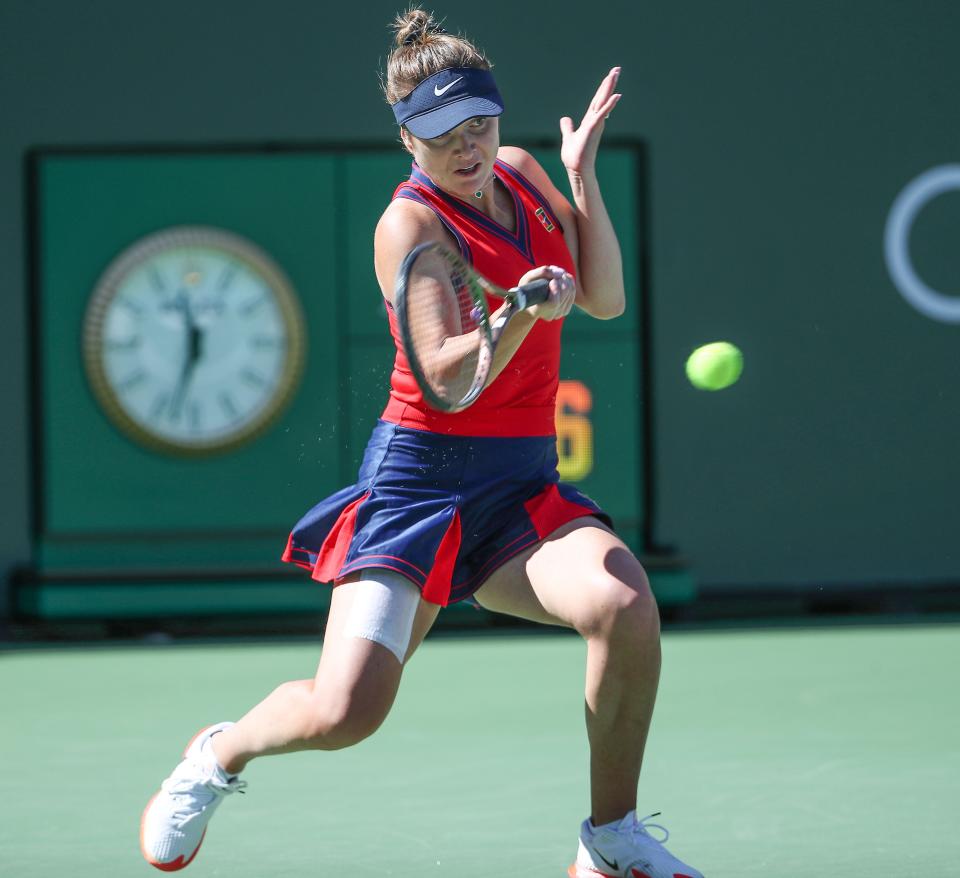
point(440, 91)
point(541, 215)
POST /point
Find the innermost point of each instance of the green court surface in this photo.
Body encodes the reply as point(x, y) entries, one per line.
point(790, 753)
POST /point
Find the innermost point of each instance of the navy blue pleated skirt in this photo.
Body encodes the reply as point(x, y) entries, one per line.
point(445, 511)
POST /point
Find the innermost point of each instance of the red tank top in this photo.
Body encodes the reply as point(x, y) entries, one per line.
point(521, 401)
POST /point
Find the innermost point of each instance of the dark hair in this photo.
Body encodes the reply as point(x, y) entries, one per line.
point(421, 48)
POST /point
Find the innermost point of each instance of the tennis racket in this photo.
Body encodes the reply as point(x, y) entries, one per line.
point(448, 332)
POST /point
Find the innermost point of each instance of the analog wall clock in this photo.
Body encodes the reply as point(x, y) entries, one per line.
point(193, 340)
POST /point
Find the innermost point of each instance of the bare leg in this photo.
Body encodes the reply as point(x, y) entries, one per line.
point(623, 671)
point(583, 577)
point(351, 695)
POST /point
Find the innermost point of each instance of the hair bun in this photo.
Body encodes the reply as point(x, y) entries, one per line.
point(414, 25)
point(422, 47)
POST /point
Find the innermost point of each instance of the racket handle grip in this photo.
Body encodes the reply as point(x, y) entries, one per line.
point(531, 294)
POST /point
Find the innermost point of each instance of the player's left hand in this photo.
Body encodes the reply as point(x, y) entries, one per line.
point(579, 149)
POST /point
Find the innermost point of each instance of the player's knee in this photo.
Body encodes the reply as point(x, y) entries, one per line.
point(342, 719)
point(623, 609)
point(334, 719)
point(352, 726)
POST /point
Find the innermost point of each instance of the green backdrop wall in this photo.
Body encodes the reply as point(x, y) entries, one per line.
point(780, 136)
point(105, 500)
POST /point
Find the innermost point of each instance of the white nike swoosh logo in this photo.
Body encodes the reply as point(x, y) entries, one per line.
point(439, 91)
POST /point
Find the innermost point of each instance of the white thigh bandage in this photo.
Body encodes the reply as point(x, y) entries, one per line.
point(383, 609)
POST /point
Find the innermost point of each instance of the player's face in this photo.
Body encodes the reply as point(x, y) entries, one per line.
point(460, 161)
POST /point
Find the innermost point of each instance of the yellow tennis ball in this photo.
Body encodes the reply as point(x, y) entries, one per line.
point(714, 366)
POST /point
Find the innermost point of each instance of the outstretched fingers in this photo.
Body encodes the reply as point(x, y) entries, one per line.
point(605, 92)
point(579, 146)
point(608, 106)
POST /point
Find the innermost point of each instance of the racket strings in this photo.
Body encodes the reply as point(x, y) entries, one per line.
point(445, 320)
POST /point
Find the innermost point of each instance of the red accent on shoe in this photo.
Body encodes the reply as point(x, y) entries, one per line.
point(636, 873)
point(678, 875)
point(573, 872)
point(179, 862)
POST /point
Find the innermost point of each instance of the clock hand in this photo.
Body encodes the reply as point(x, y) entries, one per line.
point(196, 343)
point(194, 352)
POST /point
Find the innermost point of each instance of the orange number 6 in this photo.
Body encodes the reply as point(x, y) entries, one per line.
point(574, 431)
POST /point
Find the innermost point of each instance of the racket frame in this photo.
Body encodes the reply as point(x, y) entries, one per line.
point(517, 299)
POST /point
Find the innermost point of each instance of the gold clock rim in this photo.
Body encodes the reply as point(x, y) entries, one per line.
point(238, 247)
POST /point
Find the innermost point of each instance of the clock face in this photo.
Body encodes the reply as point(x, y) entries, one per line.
point(193, 340)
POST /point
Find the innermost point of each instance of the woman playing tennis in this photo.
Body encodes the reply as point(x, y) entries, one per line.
point(466, 505)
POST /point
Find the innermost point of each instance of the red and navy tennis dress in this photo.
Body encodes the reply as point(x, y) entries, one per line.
point(445, 499)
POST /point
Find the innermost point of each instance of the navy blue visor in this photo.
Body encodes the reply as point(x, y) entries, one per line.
point(442, 101)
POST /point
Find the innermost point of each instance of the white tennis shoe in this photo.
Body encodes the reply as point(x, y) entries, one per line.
point(175, 819)
point(626, 850)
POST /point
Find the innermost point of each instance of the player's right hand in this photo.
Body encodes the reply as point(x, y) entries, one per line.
point(563, 292)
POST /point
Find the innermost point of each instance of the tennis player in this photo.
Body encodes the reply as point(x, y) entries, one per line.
point(451, 507)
